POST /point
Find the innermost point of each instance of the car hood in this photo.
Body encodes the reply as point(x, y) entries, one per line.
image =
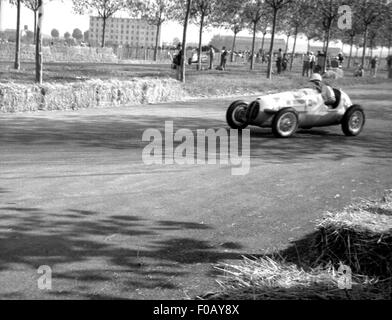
point(297, 99)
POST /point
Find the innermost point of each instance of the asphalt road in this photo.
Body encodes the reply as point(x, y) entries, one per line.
point(76, 196)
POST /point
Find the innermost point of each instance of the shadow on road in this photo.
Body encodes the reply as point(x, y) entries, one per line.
point(87, 250)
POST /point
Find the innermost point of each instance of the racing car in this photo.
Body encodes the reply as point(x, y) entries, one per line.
point(286, 112)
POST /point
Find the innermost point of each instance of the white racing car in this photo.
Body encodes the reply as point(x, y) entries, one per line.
point(285, 112)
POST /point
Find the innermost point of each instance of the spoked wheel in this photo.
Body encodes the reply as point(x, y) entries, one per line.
point(353, 121)
point(236, 115)
point(285, 123)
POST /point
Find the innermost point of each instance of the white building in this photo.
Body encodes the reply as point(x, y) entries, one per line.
point(123, 31)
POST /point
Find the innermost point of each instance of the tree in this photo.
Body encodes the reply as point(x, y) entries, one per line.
point(38, 44)
point(104, 8)
point(33, 5)
point(263, 28)
point(156, 12)
point(369, 13)
point(186, 21)
point(276, 6)
point(300, 15)
point(55, 33)
point(201, 11)
point(67, 35)
point(254, 12)
point(77, 34)
point(86, 36)
point(230, 15)
point(329, 10)
point(350, 36)
point(17, 48)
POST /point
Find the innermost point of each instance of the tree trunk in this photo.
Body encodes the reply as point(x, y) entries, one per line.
point(200, 41)
point(308, 44)
point(351, 52)
point(287, 44)
point(326, 49)
point(262, 42)
point(233, 47)
point(35, 27)
point(188, 9)
point(271, 51)
point(364, 47)
point(103, 32)
point(38, 45)
point(252, 58)
point(17, 48)
point(156, 41)
point(295, 44)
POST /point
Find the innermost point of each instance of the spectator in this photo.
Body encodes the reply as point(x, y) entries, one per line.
point(359, 72)
point(223, 59)
point(279, 61)
point(306, 65)
point(374, 66)
point(212, 56)
point(312, 62)
point(284, 62)
point(341, 59)
point(178, 61)
point(320, 65)
point(389, 64)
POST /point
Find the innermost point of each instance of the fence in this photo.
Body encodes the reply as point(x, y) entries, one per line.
point(59, 53)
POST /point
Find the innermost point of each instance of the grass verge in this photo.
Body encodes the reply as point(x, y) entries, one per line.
point(359, 236)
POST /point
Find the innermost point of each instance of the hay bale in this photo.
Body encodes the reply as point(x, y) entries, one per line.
point(88, 94)
point(18, 97)
point(360, 236)
point(334, 73)
point(275, 279)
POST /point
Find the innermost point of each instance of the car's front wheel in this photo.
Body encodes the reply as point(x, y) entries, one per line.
point(353, 121)
point(285, 123)
point(235, 115)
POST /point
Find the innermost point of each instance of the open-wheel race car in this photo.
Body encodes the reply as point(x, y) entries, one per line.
point(286, 112)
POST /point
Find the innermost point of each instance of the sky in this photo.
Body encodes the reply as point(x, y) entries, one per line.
point(59, 15)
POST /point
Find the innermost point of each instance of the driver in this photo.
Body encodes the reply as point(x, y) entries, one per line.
point(326, 91)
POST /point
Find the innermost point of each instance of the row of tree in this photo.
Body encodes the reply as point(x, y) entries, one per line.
point(364, 23)
point(361, 23)
point(77, 34)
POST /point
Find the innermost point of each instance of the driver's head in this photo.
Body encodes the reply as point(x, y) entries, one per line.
point(316, 79)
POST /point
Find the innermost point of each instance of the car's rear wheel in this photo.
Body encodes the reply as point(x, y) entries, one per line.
point(353, 121)
point(235, 115)
point(285, 123)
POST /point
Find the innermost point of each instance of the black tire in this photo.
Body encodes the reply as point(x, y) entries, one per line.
point(353, 121)
point(231, 112)
point(289, 115)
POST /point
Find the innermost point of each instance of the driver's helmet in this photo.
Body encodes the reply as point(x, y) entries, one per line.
point(316, 77)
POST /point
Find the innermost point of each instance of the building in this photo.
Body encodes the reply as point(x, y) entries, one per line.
point(123, 31)
point(245, 43)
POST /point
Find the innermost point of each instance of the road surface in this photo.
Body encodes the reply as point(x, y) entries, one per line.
point(76, 196)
